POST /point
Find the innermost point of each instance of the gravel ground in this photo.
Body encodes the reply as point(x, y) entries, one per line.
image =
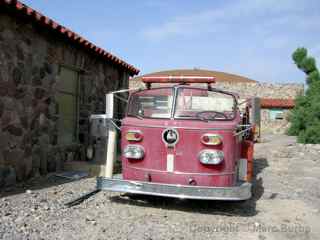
point(285, 205)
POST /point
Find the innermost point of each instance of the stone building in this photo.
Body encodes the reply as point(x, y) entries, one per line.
point(51, 81)
point(276, 99)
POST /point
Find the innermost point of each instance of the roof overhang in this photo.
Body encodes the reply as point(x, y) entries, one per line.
point(45, 22)
point(277, 103)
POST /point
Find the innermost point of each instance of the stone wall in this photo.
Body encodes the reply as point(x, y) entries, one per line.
point(262, 90)
point(267, 90)
point(277, 126)
point(30, 57)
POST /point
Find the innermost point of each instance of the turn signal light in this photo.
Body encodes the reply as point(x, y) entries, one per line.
point(211, 139)
point(134, 135)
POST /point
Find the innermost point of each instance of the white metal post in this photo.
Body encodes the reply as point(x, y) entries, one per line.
point(111, 151)
point(112, 137)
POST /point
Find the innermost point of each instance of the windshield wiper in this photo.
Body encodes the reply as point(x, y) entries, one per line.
point(139, 117)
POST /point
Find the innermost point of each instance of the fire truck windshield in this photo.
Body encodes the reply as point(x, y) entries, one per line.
point(153, 103)
point(194, 103)
point(190, 103)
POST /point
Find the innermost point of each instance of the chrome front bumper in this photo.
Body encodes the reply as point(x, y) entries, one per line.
point(236, 193)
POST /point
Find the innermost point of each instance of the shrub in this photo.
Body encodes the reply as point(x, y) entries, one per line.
point(305, 117)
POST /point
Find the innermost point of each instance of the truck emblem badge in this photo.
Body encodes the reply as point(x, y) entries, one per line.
point(170, 137)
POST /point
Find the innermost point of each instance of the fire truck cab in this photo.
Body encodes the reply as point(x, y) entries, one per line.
point(185, 141)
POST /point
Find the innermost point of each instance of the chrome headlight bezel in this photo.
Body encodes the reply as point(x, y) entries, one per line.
point(211, 157)
point(133, 152)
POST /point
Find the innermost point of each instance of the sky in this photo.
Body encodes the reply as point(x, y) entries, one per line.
point(252, 38)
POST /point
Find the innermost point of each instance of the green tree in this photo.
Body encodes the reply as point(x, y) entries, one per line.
point(305, 117)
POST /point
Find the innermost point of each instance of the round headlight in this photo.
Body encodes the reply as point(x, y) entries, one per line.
point(213, 157)
point(133, 152)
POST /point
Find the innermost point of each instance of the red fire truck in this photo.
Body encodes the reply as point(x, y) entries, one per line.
point(185, 141)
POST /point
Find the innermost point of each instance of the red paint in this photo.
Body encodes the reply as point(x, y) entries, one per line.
point(186, 152)
point(247, 152)
point(186, 163)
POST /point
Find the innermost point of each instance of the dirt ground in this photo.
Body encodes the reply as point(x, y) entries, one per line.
point(285, 205)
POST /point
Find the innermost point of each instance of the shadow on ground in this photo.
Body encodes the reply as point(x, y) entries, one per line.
point(34, 184)
point(228, 208)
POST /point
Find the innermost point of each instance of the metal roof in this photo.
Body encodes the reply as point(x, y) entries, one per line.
point(277, 103)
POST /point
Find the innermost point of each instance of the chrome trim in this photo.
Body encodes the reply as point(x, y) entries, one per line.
point(127, 90)
point(219, 152)
point(181, 173)
point(98, 116)
point(141, 148)
point(174, 102)
point(170, 144)
point(242, 191)
point(243, 131)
